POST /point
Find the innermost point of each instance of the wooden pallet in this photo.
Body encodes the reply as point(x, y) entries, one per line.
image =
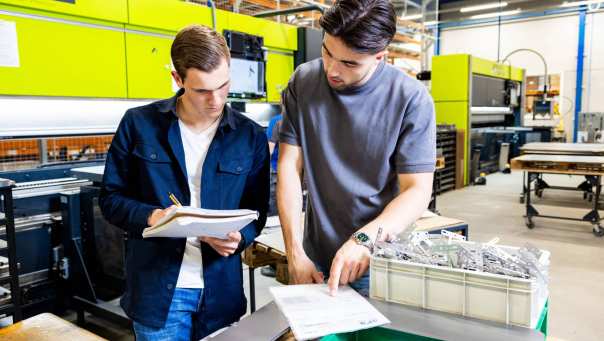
point(560, 164)
point(259, 255)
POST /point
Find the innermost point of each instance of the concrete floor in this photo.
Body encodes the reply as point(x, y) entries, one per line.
point(494, 210)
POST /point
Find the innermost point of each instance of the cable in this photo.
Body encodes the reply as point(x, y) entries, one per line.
point(499, 33)
point(545, 78)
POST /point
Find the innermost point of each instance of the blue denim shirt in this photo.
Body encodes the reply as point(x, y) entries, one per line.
point(145, 162)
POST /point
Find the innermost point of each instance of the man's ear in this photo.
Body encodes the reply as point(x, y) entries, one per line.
point(179, 81)
point(381, 55)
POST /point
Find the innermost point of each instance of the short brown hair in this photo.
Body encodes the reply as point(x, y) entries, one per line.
point(366, 26)
point(200, 47)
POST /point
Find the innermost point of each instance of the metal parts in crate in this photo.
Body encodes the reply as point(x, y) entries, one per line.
point(452, 250)
point(449, 274)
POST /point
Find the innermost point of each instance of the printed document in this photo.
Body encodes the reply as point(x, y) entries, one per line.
point(312, 312)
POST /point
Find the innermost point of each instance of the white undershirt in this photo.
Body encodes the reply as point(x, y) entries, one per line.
point(196, 147)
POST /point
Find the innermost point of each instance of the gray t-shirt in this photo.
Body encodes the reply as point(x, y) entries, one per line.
point(354, 143)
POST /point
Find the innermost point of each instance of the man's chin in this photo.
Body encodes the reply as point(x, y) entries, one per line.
point(337, 86)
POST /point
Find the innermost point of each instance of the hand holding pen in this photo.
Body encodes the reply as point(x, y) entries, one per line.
point(157, 214)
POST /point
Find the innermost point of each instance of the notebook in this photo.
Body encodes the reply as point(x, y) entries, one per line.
point(185, 222)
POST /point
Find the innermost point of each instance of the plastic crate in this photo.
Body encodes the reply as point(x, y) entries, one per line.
point(498, 298)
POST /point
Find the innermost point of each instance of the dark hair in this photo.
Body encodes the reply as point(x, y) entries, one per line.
point(199, 47)
point(366, 26)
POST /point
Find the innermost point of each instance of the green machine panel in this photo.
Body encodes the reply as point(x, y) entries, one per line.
point(450, 80)
point(69, 59)
point(279, 67)
point(149, 65)
point(149, 13)
point(170, 15)
point(113, 10)
point(493, 69)
point(121, 48)
point(276, 35)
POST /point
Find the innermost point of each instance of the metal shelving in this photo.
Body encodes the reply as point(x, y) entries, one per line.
point(446, 141)
point(10, 300)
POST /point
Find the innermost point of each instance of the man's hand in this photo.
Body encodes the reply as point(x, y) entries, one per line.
point(224, 247)
point(302, 270)
point(349, 264)
point(157, 214)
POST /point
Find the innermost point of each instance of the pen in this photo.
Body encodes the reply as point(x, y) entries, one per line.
point(174, 200)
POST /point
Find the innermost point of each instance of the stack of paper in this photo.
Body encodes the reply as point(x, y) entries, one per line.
point(312, 312)
point(199, 222)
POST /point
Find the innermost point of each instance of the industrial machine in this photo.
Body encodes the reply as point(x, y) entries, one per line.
point(591, 125)
point(483, 98)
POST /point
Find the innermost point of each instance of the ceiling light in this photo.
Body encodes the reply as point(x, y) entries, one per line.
point(580, 3)
point(411, 17)
point(495, 14)
point(483, 7)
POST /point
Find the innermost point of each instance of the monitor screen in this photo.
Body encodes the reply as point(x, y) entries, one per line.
point(247, 78)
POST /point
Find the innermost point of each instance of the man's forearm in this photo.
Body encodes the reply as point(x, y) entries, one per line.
point(289, 202)
point(401, 212)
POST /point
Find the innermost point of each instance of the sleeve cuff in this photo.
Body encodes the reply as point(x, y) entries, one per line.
point(289, 139)
point(248, 235)
point(419, 168)
point(140, 217)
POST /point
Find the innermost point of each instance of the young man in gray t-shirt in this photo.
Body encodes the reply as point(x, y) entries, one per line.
point(363, 134)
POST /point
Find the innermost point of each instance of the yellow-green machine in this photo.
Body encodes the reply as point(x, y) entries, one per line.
point(471, 92)
point(120, 48)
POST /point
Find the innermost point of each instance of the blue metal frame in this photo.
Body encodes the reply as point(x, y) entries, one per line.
point(508, 18)
point(437, 41)
point(579, 83)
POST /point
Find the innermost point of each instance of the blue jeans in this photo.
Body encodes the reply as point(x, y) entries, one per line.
point(181, 321)
point(361, 285)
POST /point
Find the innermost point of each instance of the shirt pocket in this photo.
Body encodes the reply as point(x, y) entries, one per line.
point(238, 166)
point(155, 172)
point(150, 153)
point(232, 177)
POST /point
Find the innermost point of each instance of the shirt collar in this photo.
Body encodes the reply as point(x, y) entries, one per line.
point(169, 106)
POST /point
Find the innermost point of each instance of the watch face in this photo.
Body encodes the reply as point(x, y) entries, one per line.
point(362, 237)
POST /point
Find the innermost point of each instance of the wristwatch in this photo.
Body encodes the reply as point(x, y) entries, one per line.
point(362, 238)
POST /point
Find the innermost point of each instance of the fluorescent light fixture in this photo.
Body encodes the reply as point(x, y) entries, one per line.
point(580, 3)
point(483, 7)
point(411, 17)
point(496, 14)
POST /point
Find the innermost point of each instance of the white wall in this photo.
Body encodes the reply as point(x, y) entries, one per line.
point(593, 96)
point(556, 39)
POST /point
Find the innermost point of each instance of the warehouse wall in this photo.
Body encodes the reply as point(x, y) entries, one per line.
point(556, 39)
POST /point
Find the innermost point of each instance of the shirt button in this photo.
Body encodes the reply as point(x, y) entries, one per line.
point(169, 286)
point(239, 169)
point(153, 156)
